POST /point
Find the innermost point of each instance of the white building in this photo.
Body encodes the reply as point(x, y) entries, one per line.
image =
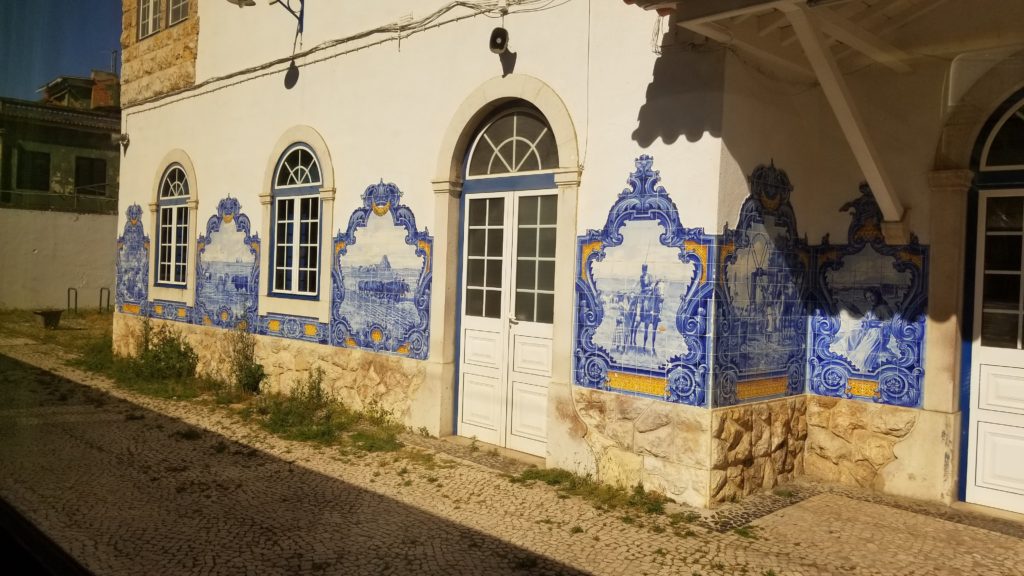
point(707, 247)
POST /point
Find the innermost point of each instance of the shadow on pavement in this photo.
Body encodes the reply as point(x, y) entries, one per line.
point(127, 490)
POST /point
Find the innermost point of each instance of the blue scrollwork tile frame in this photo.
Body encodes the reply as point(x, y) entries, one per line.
point(132, 273)
point(294, 327)
point(369, 331)
point(684, 377)
point(761, 297)
point(885, 362)
point(217, 309)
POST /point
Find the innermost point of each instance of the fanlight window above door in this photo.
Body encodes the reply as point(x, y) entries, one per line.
point(299, 168)
point(175, 184)
point(1005, 147)
point(515, 142)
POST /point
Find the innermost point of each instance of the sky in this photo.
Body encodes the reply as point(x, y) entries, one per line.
point(43, 39)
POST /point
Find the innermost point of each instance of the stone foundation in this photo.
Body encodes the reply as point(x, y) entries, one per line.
point(159, 63)
point(900, 451)
point(755, 447)
point(644, 441)
point(356, 377)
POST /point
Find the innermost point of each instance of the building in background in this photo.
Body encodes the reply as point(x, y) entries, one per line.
point(59, 166)
point(706, 247)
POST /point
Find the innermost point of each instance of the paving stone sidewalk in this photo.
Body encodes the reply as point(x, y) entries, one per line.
point(129, 484)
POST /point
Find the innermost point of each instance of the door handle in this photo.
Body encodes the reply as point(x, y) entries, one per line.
point(512, 321)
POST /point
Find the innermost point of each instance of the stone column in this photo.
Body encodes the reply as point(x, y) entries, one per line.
point(945, 301)
point(443, 313)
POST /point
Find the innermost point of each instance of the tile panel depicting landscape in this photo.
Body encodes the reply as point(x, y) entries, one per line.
point(381, 271)
point(867, 332)
point(227, 270)
point(131, 290)
point(643, 293)
point(761, 310)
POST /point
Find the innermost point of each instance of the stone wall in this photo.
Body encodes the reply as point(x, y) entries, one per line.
point(637, 440)
point(355, 376)
point(161, 62)
point(756, 447)
point(900, 451)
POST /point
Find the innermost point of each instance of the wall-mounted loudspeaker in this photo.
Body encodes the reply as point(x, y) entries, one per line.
point(499, 40)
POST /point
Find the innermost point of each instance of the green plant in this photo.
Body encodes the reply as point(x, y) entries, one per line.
point(309, 412)
point(768, 572)
point(167, 355)
point(783, 492)
point(576, 529)
point(246, 373)
point(602, 496)
point(746, 532)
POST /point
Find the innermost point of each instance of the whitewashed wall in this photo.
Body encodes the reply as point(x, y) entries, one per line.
point(45, 253)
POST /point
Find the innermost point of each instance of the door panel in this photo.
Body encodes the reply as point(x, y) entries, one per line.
point(1002, 389)
point(532, 355)
point(482, 349)
point(995, 466)
point(508, 307)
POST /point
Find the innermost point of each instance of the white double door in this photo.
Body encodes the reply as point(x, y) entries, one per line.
point(505, 357)
point(995, 455)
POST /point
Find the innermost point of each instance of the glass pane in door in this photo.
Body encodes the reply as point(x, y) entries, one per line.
point(485, 239)
point(1001, 304)
point(535, 258)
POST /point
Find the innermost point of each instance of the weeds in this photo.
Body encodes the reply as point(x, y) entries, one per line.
point(600, 495)
point(246, 373)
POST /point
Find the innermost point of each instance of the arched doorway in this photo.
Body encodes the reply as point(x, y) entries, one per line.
point(995, 469)
point(506, 309)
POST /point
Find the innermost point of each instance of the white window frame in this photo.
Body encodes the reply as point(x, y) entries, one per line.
point(173, 229)
point(181, 6)
point(149, 17)
point(289, 199)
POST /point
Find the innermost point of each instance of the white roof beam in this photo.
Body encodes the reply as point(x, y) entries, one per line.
point(861, 40)
point(703, 11)
point(755, 47)
point(833, 84)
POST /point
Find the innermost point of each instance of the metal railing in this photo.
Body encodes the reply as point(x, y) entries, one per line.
point(81, 203)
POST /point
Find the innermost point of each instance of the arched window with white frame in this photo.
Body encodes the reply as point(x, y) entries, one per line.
point(172, 228)
point(295, 217)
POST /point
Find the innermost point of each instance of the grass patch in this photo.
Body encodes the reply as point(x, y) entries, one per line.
point(783, 492)
point(746, 532)
point(602, 496)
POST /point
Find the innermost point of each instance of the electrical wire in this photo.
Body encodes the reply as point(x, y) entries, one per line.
point(429, 22)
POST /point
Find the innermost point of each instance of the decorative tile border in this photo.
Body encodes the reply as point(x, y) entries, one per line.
point(761, 297)
point(621, 300)
point(227, 270)
point(868, 328)
point(375, 304)
point(132, 267)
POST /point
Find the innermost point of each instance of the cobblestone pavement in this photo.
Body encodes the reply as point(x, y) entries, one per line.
point(136, 485)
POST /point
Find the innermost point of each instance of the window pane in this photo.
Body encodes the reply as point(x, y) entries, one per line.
point(474, 302)
point(547, 242)
point(527, 241)
point(476, 243)
point(477, 212)
point(1007, 147)
point(1002, 253)
point(526, 275)
point(1004, 214)
point(494, 273)
point(496, 211)
point(549, 209)
point(475, 272)
point(528, 210)
point(524, 306)
point(1001, 291)
point(492, 304)
point(495, 244)
point(545, 308)
point(546, 275)
point(999, 330)
point(33, 170)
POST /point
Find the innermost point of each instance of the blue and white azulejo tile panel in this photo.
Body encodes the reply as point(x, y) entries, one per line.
point(227, 270)
point(132, 269)
point(868, 327)
point(381, 273)
point(643, 293)
point(761, 312)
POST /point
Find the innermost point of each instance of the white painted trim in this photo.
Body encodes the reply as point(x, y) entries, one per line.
point(186, 293)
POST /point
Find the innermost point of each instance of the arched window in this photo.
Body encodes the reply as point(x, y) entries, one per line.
point(172, 224)
point(1004, 149)
point(514, 142)
point(295, 257)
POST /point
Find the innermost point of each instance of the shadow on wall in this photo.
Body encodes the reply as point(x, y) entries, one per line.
point(684, 97)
